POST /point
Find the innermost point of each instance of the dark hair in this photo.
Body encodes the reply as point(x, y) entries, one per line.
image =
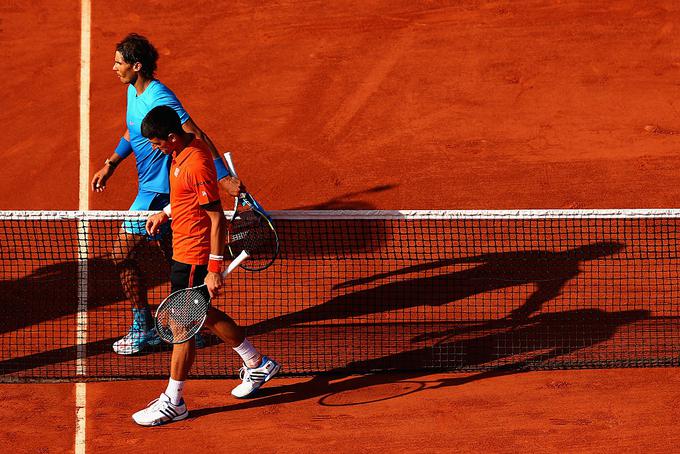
point(136, 48)
point(160, 122)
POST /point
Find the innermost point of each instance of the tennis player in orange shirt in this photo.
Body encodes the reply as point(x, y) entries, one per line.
point(199, 232)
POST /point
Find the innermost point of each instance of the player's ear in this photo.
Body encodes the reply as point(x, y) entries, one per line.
point(137, 66)
point(172, 137)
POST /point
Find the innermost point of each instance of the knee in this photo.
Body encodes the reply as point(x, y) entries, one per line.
point(213, 317)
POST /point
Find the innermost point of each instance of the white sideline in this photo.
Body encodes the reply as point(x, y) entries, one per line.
point(83, 226)
point(84, 170)
point(81, 409)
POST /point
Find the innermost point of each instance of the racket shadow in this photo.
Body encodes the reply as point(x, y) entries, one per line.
point(323, 387)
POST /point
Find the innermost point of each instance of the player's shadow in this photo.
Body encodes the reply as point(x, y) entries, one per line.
point(51, 292)
point(548, 271)
point(545, 337)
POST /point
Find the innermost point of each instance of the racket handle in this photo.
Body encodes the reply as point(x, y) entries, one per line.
point(230, 164)
point(235, 263)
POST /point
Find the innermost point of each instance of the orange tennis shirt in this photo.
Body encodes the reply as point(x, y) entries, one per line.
point(193, 182)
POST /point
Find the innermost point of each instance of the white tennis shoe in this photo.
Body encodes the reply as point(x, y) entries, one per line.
point(256, 377)
point(161, 411)
point(135, 341)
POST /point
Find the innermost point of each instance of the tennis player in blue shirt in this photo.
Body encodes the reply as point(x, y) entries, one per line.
point(135, 65)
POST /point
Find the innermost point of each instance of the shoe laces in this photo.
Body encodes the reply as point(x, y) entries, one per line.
point(244, 373)
point(158, 404)
point(131, 335)
point(155, 404)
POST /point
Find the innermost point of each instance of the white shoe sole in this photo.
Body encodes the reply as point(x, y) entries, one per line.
point(154, 424)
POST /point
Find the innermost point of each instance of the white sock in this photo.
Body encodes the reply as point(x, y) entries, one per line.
point(174, 391)
point(247, 352)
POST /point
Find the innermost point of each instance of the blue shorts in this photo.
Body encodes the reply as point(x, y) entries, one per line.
point(147, 201)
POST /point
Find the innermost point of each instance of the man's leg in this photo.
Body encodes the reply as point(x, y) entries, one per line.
point(257, 369)
point(132, 236)
point(131, 278)
point(141, 332)
point(170, 405)
point(183, 356)
point(224, 327)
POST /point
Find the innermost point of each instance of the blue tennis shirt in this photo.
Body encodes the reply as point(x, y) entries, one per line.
point(153, 167)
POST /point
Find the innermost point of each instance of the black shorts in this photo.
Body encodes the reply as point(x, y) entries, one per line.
point(184, 276)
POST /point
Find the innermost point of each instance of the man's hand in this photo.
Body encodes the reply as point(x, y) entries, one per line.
point(98, 183)
point(232, 185)
point(154, 222)
point(213, 281)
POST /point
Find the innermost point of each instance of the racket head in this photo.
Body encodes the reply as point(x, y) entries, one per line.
point(182, 314)
point(250, 230)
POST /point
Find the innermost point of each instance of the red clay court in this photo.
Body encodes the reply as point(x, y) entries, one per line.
point(470, 105)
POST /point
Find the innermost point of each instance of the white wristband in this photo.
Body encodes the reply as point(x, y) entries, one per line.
point(166, 209)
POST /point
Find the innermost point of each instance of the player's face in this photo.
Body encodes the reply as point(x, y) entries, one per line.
point(165, 146)
point(125, 71)
point(168, 146)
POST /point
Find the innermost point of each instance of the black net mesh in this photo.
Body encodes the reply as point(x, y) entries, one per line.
point(358, 292)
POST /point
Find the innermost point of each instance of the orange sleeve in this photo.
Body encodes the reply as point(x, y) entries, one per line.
point(203, 179)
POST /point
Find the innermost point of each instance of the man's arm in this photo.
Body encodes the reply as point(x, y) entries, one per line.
point(190, 126)
point(233, 186)
point(218, 232)
point(122, 151)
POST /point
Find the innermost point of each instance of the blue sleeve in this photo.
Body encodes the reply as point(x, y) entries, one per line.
point(123, 149)
point(165, 97)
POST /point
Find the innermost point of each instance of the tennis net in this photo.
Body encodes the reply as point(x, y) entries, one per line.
point(360, 291)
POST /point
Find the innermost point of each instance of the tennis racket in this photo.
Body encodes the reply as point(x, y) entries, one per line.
point(251, 230)
point(182, 314)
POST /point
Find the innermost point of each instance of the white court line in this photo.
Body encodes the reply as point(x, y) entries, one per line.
point(83, 205)
point(81, 409)
point(84, 183)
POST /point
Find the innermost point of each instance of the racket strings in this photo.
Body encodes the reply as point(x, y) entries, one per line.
point(181, 315)
point(254, 234)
